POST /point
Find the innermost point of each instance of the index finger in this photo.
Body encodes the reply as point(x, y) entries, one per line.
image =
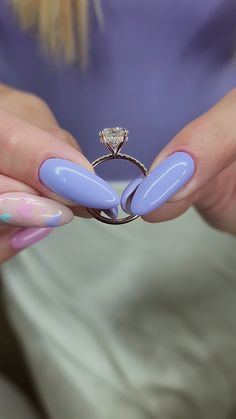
point(55, 169)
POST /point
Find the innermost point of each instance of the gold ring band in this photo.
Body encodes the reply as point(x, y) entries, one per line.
point(114, 139)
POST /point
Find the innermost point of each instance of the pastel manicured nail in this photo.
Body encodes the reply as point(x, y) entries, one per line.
point(29, 236)
point(163, 182)
point(112, 213)
point(128, 192)
point(78, 184)
point(27, 210)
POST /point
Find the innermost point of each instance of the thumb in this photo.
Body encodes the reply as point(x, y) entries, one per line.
point(201, 151)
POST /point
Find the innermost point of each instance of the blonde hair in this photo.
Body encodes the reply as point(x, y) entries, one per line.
point(62, 25)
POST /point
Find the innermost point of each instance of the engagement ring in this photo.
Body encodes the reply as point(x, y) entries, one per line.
point(114, 139)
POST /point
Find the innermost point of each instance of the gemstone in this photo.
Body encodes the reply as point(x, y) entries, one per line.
point(113, 138)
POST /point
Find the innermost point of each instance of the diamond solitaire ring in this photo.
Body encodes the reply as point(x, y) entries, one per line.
point(114, 139)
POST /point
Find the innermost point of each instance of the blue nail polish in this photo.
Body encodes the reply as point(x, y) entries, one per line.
point(78, 184)
point(163, 182)
point(112, 213)
point(128, 192)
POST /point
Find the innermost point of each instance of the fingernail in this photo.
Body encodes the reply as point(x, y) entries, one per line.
point(74, 182)
point(29, 236)
point(112, 213)
point(26, 210)
point(163, 182)
point(128, 192)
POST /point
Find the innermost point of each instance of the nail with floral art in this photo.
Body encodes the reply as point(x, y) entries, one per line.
point(27, 210)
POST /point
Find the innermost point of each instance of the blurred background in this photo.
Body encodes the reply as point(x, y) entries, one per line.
point(13, 364)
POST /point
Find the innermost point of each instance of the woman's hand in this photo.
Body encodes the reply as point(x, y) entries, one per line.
point(198, 167)
point(42, 173)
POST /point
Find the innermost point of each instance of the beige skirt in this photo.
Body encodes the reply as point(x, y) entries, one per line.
point(129, 322)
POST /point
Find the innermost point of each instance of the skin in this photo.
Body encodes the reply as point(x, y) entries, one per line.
point(29, 134)
point(211, 141)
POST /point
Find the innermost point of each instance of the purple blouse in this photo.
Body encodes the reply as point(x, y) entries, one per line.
point(156, 65)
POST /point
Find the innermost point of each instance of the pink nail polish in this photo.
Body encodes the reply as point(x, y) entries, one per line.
point(29, 236)
point(27, 210)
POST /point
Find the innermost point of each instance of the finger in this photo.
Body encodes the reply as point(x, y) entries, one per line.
point(216, 202)
point(64, 136)
point(168, 211)
point(4, 228)
point(15, 240)
point(35, 110)
point(28, 106)
point(27, 209)
point(55, 169)
point(6, 249)
point(8, 185)
point(128, 193)
point(192, 159)
point(67, 138)
point(81, 212)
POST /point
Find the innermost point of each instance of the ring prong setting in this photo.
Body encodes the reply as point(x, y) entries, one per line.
point(114, 138)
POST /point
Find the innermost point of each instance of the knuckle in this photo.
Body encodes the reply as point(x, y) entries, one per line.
point(28, 101)
point(59, 133)
point(63, 135)
point(196, 137)
point(196, 133)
